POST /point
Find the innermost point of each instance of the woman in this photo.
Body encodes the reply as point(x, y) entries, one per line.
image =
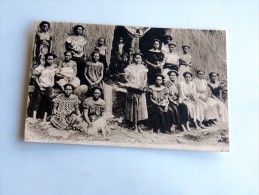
point(94, 71)
point(208, 104)
point(216, 89)
point(160, 114)
point(94, 106)
point(66, 114)
point(155, 61)
point(136, 78)
point(185, 62)
point(180, 111)
point(165, 45)
point(76, 44)
point(188, 96)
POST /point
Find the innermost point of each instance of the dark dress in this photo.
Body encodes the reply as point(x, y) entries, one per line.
point(153, 57)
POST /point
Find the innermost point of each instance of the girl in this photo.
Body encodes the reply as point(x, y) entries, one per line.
point(185, 62)
point(94, 71)
point(43, 43)
point(102, 49)
point(136, 77)
point(44, 76)
point(155, 61)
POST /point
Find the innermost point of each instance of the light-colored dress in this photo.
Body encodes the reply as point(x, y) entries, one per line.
point(42, 41)
point(210, 106)
point(188, 95)
point(46, 74)
point(65, 117)
point(94, 71)
point(184, 65)
point(136, 106)
point(171, 63)
point(216, 92)
point(77, 43)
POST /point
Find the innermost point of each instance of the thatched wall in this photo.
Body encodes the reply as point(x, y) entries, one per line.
point(208, 48)
point(92, 33)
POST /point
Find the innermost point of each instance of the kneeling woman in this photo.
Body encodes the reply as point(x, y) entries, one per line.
point(188, 97)
point(136, 77)
point(160, 114)
point(66, 114)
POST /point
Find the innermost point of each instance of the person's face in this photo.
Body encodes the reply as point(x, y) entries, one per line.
point(201, 75)
point(186, 49)
point(188, 78)
point(68, 90)
point(168, 39)
point(156, 45)
point(159, 80)
point(50, 59)
point(96, 57)
point(173, 76)
point(45, 27)
point(138, 59)
point(214, 77)
point(68, 56)
point(79, 31)
point(97, 94)
point(171, 48)
point(101, 41)
point(124, 58)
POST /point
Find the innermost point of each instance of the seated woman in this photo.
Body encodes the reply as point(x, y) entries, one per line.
point(94, 106)
point(180, 111)
point(136, 106)
point(160, 114)
point(94, 71)
point(188, 97)
point(216, 89)
point(66, 114)
point(208, 104)
point(67, 71)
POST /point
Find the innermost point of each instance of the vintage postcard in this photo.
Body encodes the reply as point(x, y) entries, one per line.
point(128, 86)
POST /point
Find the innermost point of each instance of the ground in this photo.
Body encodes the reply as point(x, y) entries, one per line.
point(213, 138)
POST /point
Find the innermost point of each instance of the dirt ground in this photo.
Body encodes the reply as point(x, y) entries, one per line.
point(213, 138)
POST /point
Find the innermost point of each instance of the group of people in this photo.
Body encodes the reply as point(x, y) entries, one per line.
point(160, 91)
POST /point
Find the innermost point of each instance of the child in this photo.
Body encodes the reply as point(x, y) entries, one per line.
point(43, 43)
point(94, 71)
point(67, 71)
point(44, 77)
point(102, 49)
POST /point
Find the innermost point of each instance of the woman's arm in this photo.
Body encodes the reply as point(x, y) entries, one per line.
point(101, 76)
point(77, 111)
point(86, 117)
point(87, 78)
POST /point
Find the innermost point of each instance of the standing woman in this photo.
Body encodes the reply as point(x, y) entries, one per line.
point(94, 71)
point(216, 89)
point(155, 61)
point(76, 44)
point(188, 96)
point(208, 104)
point(165, 45)
point(102, 49)
point(136, 78)
point(43, 43)
point(180, 111)
point(160, 114)
point(185, 62)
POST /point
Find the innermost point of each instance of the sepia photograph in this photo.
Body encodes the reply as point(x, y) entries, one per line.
point(128, 86)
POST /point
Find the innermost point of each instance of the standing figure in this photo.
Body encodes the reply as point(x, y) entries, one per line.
point(44, 77)
point(94, 106)
point(188, 96)
point(102, 49)
point(180, 112)
point(154, 61)
point(136, 106)
point(208, 104)
point(171, 60)
point(43, 43)
point(165, 45)
point(76, 44)
point(94, 71)
point(160, 114)
point(67, 71)
point(66, 114)
point(216, 89)
point(185, 62)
